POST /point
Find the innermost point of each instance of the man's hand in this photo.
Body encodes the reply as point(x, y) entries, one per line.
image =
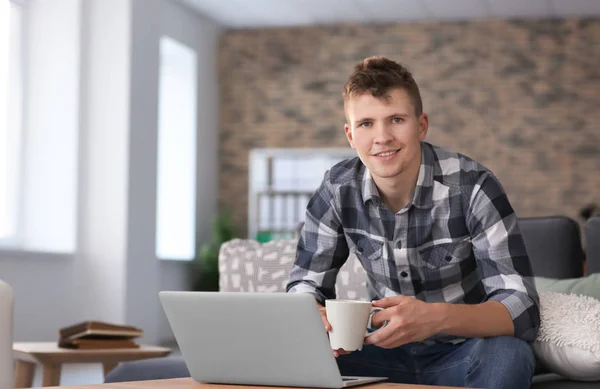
point(409, 320)
point(338, 352)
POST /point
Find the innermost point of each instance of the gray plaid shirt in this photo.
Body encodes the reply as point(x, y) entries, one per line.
point(457, 241)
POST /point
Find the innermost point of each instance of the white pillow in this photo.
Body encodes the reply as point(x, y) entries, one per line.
point(568, 342)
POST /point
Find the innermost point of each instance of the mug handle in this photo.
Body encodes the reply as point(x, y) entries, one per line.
point(370, 322)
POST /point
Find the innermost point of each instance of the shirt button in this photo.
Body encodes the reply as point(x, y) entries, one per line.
point(404, 274)
point(398, 245)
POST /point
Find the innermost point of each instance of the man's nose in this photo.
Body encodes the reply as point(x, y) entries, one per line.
point(383, 133)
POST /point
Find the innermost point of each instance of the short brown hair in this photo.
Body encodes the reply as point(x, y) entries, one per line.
point(377, 76)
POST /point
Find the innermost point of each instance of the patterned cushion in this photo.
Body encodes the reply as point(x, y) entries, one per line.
point(351, 281)
point(249, 266)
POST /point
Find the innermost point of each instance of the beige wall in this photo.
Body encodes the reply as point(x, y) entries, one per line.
point(523, 98)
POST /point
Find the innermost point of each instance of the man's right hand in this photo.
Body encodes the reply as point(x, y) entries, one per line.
point(338, 352)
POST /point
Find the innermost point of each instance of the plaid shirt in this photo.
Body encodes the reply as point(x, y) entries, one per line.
point(457, 241)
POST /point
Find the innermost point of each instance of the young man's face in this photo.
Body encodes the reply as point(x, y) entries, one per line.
point(386, 133)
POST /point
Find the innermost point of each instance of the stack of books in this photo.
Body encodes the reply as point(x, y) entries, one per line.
point(98, 335)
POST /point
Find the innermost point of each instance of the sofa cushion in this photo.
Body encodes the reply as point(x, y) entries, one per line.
point(554, 381)
point(568, 342)
point(586, 286)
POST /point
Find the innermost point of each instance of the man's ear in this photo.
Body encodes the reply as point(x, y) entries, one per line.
point(349, 134)
point(423, 126)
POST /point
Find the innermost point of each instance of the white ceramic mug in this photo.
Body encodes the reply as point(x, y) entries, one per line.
point(350, 321)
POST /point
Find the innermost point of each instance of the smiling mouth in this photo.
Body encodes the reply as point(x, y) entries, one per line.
point(386, 153)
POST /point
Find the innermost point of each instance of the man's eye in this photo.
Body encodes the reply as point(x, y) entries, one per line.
point(365, 124)
point(397, 120)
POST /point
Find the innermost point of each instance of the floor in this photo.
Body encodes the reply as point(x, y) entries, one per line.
point(84, 374)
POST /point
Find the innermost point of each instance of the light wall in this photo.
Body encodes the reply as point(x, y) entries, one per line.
point(114, 274)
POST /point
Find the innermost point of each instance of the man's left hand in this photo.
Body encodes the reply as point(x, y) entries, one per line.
point(409, 320)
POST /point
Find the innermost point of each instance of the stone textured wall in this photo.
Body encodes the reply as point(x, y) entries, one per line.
point(521, 97)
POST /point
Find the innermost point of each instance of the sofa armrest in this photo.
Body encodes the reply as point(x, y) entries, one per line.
point(592, 238)
point(554, 246)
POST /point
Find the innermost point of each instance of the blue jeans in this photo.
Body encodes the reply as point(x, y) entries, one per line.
point(495, 363)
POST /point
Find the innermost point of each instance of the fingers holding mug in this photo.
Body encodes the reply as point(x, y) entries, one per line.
point(323, 313)
point(374, 325)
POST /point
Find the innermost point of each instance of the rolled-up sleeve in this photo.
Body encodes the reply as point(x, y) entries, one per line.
point(502, 260)
point(322, 247)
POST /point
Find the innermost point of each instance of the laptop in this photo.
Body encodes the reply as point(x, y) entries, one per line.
point(253, 338)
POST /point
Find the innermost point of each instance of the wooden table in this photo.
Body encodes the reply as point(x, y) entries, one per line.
point(188, 383)
point(51, 357)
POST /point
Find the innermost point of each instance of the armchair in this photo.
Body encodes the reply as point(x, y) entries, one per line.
point(6, 335)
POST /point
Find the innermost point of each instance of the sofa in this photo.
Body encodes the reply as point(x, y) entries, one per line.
point(554, 245)
point(6, 335)
point(592, 237)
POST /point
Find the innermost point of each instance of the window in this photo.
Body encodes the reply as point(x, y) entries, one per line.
point(176, 176)
point(11, 114)
point(281, 183)
point(39, 124)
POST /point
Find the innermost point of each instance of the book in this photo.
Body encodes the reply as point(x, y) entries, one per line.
point(88, 344)
point(99, 330)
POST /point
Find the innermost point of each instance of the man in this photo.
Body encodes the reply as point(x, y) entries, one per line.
point(438, 239)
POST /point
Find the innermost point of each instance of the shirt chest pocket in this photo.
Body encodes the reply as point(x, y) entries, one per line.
point(369, 250)
point(371, 254)
point(445, 254)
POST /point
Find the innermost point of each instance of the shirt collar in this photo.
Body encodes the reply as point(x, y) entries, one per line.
point(369, 189)
point(422, 196)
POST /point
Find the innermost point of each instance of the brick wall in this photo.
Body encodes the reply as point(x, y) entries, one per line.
point(523, 98)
